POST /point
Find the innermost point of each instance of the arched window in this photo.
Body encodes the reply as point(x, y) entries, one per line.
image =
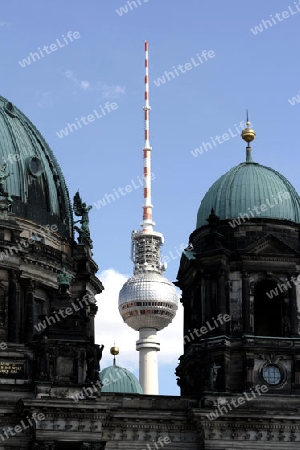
point(268, 300)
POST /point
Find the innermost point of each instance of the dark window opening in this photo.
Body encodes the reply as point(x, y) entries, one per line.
point(76, 446)
point(37, 310)
point(68, 446)
point(268, 309)
point(2, 308)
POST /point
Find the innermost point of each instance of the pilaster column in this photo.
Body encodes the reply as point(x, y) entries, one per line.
point(93, 311)
point(249, 372)
point(14, 306)
point(246, 302)
point(207, 299)
point(293, 310)
point(30, 287)
point(221, 298)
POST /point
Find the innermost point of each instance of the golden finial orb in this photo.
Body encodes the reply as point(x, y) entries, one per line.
point(248, 134)
point(114, 350)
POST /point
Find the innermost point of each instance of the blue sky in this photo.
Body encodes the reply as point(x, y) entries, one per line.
point(106, 64)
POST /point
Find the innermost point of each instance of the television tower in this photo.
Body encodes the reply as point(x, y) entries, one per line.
point(148, 301)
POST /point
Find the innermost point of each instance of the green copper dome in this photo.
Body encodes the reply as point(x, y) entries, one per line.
point(118, 379)
point(246, 187)
point(35, 182)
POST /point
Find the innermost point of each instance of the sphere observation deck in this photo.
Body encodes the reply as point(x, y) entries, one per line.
point(148, 300)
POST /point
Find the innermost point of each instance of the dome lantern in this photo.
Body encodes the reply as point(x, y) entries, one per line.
point(114, 351)
point(248, 135)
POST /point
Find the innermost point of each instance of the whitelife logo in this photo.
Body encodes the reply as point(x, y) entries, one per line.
point(50, 320)
point(25, 243)
point(48, 49)
point(265, 24)
point(222, 409)
point(161, 441)
point(86, 120)
point(187, 66)
point(294, 100)
point(34, 419)
point(124, 9)
point(3, 345)
point(108, 198)
point(225, 136)
point(283, 286)
point(90, 391)
point(263, 207)
point(198, 332)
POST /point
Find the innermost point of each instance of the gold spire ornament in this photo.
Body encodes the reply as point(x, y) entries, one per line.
point(114, 351)
point(248, 134)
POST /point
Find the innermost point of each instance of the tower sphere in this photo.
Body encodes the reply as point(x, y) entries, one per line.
point(148, 300)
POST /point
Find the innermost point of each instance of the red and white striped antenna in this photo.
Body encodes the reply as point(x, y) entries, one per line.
point(147, 223)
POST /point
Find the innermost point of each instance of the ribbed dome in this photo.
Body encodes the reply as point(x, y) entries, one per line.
point(119, 379)
point(250, 185)
point(36, 182)
point(148, 300)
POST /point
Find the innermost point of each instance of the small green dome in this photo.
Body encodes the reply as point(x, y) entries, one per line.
point(118, 379)
point(247, 186)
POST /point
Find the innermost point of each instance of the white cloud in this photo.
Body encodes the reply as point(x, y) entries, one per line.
point(106, 90)
point(85, 84)
point(110, 328)
point(111, 91)
point(81, 84)
point(43, 99)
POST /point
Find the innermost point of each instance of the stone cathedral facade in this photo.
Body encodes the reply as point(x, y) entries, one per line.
point(240, 371)
point(241, 298)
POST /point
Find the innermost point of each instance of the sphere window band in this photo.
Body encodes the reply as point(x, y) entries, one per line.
point(161, 304)
point(272, 374)
point(142, 312)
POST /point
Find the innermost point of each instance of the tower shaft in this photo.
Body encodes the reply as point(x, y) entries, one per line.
point(148, 345)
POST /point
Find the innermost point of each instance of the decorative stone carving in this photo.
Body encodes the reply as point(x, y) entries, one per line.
point(64, 281)
point(80, 209)
point(94, 355)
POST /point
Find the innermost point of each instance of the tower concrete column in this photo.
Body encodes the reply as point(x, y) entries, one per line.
point(148, 345)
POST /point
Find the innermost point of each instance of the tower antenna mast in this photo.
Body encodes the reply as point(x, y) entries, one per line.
point(147, 223)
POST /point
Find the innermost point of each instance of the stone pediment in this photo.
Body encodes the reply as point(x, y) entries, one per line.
point(270, 245)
